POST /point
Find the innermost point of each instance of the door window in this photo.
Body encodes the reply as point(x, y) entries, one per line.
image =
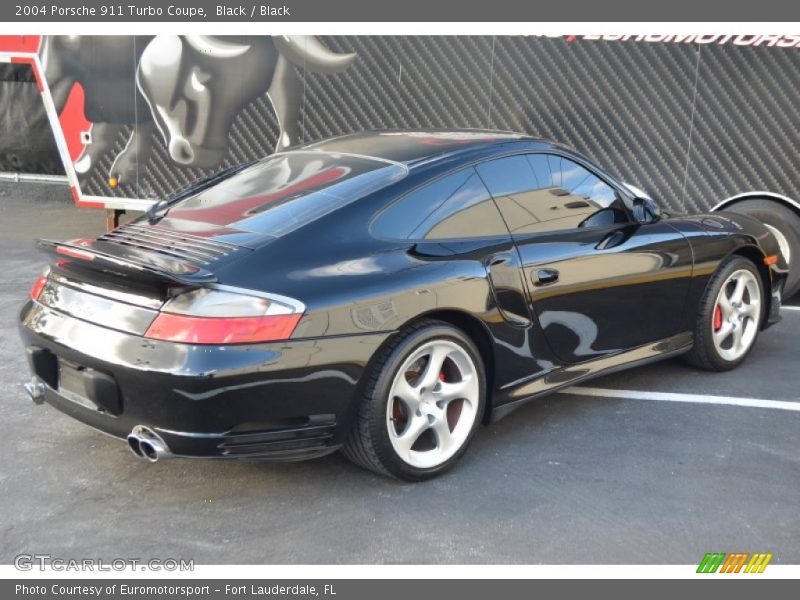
point(539, 193)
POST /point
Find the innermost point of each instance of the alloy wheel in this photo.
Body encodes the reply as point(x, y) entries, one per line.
point(433, 404)
point(736, 313)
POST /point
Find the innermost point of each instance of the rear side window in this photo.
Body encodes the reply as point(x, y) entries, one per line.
point(540, 193)
point(455, 206)
point(286, 191)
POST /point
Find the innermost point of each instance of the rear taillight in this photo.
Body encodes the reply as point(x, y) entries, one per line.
point(38, 286)
point(221, 330)
point(225, 316)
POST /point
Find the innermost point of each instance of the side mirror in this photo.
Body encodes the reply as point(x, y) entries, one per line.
point(645, 210)
point(637, 191)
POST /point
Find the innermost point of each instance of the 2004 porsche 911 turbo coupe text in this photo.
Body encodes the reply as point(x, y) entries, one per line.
point(383, 293)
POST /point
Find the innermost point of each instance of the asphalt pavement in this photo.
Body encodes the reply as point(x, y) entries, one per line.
point(568, 479)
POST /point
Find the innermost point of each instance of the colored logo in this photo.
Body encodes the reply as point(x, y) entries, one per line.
point(736, 562)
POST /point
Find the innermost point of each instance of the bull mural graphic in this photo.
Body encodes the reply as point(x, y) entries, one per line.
point(188, 88)
point(104, 67)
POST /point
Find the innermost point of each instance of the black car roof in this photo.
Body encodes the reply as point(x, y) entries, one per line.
point(411, 147)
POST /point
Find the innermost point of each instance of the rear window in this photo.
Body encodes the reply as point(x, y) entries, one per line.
point(286, 191)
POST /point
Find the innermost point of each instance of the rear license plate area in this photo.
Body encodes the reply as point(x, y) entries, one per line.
point(71, 384)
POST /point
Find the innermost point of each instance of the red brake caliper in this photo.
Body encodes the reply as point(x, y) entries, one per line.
point(717, 317)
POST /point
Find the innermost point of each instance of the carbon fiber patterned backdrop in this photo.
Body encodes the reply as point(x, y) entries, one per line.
point(627, 104)
point(690, 123)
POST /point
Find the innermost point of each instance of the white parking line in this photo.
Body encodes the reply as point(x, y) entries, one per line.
point(691, 398)
point(790, 307)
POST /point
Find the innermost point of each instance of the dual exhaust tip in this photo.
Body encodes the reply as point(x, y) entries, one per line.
point(146, 444)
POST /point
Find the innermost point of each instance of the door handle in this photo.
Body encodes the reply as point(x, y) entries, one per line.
point(545, 276)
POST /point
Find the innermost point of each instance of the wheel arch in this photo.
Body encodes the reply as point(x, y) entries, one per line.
point(781, 215)
point(758, 195)
point(477, 331)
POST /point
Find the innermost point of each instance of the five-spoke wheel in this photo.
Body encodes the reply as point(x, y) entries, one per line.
point(432, 404)
point(423, 401)
point(729, 316)
point(736, 314)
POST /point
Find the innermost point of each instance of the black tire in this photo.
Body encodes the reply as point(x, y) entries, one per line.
point(786, 221)
point(368, 444)
point(704, 353)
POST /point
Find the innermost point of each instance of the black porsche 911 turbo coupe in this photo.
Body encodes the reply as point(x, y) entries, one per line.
point(383, 293)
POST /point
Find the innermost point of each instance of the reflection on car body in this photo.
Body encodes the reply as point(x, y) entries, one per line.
point(384, 293)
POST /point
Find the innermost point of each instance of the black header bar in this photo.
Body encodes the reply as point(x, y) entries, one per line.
point(278, 11)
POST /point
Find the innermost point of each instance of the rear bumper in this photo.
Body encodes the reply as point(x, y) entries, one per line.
point(281, 401)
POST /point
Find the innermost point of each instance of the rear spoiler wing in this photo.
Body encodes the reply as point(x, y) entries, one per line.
point(91, 258)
